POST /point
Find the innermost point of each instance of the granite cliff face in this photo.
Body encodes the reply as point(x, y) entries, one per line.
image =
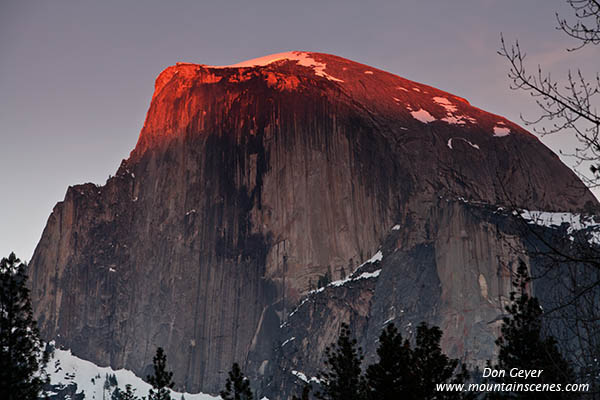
point(248, 182)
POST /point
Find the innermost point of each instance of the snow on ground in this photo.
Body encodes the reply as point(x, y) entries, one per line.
point(64, 369)
point(301, 57)
point(422, 115)
point(576, 222)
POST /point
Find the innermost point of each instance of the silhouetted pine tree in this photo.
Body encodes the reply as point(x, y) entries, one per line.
point(412, 374)
point(22, 360)
point(161, 381)
point(128, 394)
point(343, 378)
point(522, 345)
point(392, 377)
point(432, 367)
point(237, 386)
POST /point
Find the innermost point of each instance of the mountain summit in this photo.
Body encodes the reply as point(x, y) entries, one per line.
point(252, 182)
point(188, 97)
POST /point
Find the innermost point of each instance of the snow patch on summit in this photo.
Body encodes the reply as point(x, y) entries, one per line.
point(423, 116)
point(452, 117)
point(447, 104)
point(301, 57)
point(500, 131)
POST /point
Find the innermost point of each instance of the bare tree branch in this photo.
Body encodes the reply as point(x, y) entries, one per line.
point(570, 107)
point(586, 29)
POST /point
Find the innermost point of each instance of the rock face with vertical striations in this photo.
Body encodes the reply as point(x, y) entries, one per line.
point(251, 181)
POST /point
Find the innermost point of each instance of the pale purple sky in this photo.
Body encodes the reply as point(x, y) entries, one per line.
point(76, 77)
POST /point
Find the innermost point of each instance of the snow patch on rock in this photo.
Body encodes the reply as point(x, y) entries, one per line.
point(575, 222)
point(365, 275)
point(423, 116)
point(447, 104)
point(449, 144)
point(452, 117)
point(500, 131)
point(302, 377)
point(376, 257)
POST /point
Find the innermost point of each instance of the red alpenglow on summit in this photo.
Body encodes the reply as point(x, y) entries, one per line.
point(251, 182)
